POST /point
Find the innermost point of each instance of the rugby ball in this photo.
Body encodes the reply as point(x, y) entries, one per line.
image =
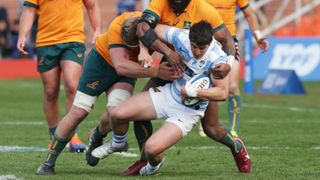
point(198, 81)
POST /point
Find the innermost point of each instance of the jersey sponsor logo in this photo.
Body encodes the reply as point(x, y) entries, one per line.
point(304, 59)
point(93, 85)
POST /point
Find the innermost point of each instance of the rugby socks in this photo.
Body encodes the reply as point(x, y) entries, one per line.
point(142, 130)
point(98, 136)
point(151, 168)
point(57, 146)
point(118, 141)
point(234, 108)
point(51, 132)
point(230, 141)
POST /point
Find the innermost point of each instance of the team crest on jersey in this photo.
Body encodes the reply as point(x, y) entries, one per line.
point(93, 85)
point(201, 63)
point(186, 24)
point(41, 62)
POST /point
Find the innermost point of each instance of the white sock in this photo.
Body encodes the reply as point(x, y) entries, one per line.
point(153, 168)
point(118, 141)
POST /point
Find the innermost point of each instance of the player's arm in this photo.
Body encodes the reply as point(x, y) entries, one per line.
point(254, 27)
point(217, 93)
point(149, 38)
point(26, 21)
point(125, 67)
point(94, 16)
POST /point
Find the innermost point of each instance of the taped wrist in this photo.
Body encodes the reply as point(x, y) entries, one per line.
point(149, 19)
point(148, 38)
point(257, 35)
point(190, 90)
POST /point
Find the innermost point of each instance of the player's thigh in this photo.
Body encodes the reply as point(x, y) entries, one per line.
point(51, 81)
point(48, 57)
point(137, 107)
point(97, 76)
point(71, 62)
point(165, 137)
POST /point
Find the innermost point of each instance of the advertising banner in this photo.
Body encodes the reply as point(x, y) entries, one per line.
point(299, 54)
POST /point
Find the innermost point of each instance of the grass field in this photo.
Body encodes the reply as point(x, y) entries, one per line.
point(281, 134)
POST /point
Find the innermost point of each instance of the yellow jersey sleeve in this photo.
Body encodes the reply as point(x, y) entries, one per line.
point(112, 37)
point(59, 21)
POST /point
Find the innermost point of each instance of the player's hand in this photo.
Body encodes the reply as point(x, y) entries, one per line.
point(183, 93)
point(176, 61)
point(237, 57)
point(20, 45)
point(145, 59)
point(220, 71)
point(263, 44)
point(166, 72)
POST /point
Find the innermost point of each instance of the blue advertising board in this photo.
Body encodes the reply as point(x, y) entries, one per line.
point(299, 54)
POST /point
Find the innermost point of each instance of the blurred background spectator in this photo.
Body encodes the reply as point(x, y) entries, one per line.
point(5, 39)
point(126, 6)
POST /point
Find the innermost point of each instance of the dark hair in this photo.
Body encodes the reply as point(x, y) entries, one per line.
point(179, 7)
point(201, 33)
point(128, 31)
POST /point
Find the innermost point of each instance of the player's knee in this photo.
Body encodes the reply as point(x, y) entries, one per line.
point(117, 114)
point(214, 130)
point(234, 89)
point(51, 94)
point(152, 149)
point(78, 114)
point(71, 89)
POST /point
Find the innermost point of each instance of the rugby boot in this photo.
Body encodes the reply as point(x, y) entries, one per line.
point(107, 149)
point(45, 169)
point(242, 158)
point(135, 168)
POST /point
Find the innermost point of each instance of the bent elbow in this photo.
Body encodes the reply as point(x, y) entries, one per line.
point(121, 70)
point(224, 96)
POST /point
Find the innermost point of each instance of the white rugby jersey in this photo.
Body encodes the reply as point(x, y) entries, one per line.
point(179, 38)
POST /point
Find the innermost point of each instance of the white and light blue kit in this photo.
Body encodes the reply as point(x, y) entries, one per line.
point(166, 99)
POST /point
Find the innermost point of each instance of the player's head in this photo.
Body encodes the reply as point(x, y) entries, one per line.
point(128, 32)
point(178, 6)
point(200, 36)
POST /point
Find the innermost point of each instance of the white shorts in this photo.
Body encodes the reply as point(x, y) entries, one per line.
point(184, 117)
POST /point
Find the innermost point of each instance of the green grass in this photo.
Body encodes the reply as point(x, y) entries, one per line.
point(281, 133)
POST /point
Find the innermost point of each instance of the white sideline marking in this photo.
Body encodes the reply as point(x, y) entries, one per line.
point(128, 154)
point(23, 123)
point(9, 177)
point(40, 149)
point(21, 149)
point(36, 123)
point(290, 108)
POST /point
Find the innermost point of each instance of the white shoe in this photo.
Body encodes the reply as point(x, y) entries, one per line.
point(107, 149)
point(145, 171)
